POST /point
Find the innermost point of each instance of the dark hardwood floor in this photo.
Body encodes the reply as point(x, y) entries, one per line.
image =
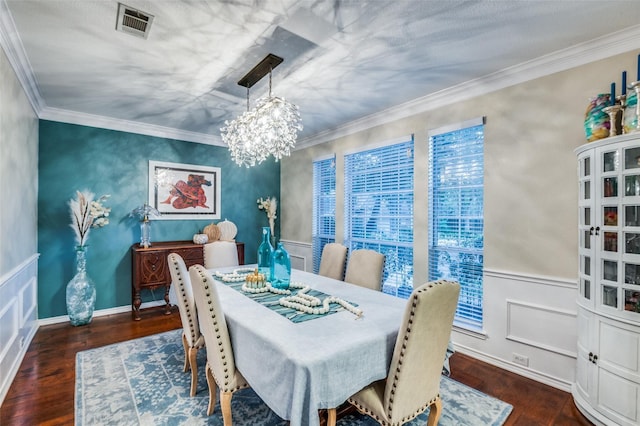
point(43, 391)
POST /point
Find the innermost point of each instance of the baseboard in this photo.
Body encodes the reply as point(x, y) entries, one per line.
point(515, 368)
point(101, 312)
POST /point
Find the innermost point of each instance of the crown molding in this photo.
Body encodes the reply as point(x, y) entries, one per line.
point(74, 117)
point(600, 48)
point(14, 50)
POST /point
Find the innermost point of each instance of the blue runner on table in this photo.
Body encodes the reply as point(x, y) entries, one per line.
point(271, 301)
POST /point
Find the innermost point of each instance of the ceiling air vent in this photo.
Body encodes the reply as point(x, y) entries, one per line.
point(133, 21)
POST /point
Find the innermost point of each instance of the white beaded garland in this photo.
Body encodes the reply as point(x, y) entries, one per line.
point(302, 301)
point(308, 304)
point(233, 277)
point(267, 287)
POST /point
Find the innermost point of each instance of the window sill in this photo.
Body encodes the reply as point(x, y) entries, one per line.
point(478, 334)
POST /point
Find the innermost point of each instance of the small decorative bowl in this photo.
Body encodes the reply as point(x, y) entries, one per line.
point(200, 238)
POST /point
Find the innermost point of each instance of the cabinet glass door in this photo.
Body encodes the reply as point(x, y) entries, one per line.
point(614, 262)
point(587, 227)
point(608, 219)
point(629, 287)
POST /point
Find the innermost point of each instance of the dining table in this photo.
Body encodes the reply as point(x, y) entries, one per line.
point(299, 363)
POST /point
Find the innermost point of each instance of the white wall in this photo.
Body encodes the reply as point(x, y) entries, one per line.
point(530, 207)
point(18, 223)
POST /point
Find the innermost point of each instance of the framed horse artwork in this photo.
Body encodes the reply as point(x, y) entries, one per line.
point(184, 191)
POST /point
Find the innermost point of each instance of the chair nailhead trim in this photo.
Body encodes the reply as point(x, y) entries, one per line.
point(396, 377)
point(224, 386)
point(188, 311)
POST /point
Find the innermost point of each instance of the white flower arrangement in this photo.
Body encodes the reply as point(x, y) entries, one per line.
point(270, 206)
point(87, 213)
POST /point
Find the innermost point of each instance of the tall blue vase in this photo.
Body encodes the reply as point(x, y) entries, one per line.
point(81, 292)
point(265, 251)
point(280, 268)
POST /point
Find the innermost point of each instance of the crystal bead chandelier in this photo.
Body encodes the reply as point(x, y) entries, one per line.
point(271, 128)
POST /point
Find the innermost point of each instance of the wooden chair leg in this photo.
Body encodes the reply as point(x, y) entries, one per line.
point(331, 417)
point(185, 345)
point(193, 353)
point(212, 390)
point(434, 413)
point(225, 404)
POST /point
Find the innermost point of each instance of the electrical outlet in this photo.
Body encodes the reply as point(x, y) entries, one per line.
point(521, 359)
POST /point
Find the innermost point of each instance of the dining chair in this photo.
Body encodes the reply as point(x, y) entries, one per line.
point(219, 254)
point(364, 268)
point(413, 382)
point(333, 260)
point(221, 366)
point(192, 339)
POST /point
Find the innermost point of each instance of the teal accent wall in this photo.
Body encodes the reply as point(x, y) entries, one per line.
point(73, 157)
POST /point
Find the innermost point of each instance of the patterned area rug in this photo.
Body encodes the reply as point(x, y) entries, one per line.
point(141, 382)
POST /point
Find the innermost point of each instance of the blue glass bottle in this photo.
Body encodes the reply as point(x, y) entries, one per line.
point(280, 268)
point(265, 252)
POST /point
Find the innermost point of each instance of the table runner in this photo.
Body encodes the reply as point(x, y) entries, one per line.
point(270, 300)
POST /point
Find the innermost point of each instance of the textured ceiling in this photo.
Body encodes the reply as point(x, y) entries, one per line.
point(343, 59)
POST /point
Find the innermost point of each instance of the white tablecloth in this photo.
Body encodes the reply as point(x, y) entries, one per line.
point(298, 368)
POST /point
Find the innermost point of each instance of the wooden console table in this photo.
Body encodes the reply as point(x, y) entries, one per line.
point(150, 270)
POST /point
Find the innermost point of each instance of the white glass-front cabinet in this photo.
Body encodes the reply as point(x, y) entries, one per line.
point(607, 388)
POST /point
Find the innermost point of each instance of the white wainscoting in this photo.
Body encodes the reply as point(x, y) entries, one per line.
point(301, 254)
point(18, 317)
point(529, 317)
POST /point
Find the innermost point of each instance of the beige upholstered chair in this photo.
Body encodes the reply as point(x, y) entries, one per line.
point(221, 366)
point(365, 269)
point(219, 254)
point(192, 340)
point(413, 383)
point(332, 261)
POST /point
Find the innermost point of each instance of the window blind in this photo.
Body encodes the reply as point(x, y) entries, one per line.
point(456, 217)
point(379, 210)
point(324, 207)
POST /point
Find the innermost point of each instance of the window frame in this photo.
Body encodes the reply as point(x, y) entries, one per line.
point(319, 236)
point(398, 271)
point(467, 254)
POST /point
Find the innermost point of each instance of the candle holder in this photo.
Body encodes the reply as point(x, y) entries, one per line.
point(622, 100)
point(613, 111)
point(631, 121)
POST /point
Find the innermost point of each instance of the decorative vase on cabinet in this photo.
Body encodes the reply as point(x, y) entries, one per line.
point(596, 121)
point(608, 362)
point(80, 292)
